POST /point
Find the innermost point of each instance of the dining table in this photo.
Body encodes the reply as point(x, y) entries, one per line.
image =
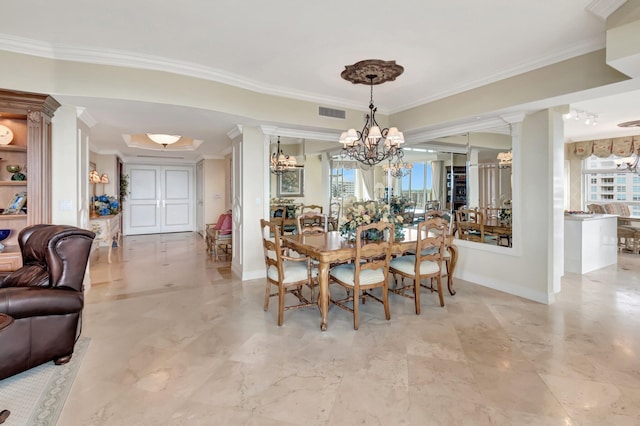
point(331, 247)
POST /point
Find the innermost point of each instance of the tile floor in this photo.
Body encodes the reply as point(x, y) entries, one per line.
point(176, 340)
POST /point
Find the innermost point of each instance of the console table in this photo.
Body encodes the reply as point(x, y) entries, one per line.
point(107, 230)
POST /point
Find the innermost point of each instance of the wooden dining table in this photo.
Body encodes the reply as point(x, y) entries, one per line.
point(331, 247)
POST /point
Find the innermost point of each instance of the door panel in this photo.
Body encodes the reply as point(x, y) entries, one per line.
point(161, 199)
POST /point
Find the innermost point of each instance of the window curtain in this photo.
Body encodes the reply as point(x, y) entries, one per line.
point(603, 148)
point(436, 180)
point(368, 179)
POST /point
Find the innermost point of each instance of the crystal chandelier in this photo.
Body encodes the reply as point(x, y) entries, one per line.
point(372, 145)
point(281, 163)
point(629, 163)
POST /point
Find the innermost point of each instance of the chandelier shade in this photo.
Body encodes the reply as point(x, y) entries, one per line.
point(372, 145)
point(280, 162)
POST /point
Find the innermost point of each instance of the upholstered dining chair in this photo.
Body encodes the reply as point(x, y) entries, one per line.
point(369, 270)
point(449, 231)
point(288, 274)
point(470, 225)
point(425, 263)
point(312, 222)
point(219, 236)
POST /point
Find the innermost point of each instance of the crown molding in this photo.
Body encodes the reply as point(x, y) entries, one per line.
point(235, 132)
point(83, 115)
point(455, 129)
point(603, 8)
point(582, 48)
point(130, 60)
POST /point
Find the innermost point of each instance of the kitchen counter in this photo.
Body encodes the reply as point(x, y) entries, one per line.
point(590, 242)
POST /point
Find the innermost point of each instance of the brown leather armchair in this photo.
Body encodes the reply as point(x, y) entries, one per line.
point(44, 298)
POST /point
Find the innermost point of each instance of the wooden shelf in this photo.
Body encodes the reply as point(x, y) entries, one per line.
point(14, 148)
point(13, 216)
point(13, 183)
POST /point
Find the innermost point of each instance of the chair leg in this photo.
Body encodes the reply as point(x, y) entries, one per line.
point(356, 303)
point(440, 295)
point(416, 294)
point(385, 302)
point(280, 306)
point(63, 359)
point(266, 295)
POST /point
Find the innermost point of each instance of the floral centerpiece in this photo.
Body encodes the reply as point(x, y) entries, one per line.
point(105, 205)
point(364, 214)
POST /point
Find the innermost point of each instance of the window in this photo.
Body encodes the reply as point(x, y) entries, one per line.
point(594, 189)
point(594, 180)
point(594, 197)
point(636, 179)
point(607, 197)
point(621, 179)
point(636, 188)
point(621, 189)
point(636, 197)
point(621, 197)
point(417, 184)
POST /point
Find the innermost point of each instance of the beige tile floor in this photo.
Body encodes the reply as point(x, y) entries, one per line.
point(176, 340)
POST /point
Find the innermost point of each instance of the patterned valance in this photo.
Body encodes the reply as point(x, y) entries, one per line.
point(603, 148)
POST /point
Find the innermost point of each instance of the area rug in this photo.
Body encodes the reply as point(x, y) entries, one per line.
point(36, 397)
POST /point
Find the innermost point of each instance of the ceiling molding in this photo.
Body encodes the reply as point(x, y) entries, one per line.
point(456, 129)
point(603, 8)
point(136, 60)
point(84, 116)
point(582, 48)
point(235, 132)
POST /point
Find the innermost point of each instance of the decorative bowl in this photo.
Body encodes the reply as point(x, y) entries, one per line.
point(13, 168)
point(4, 233)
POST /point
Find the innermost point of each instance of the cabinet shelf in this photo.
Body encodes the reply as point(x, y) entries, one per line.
point(13, 148)
point(13, 183)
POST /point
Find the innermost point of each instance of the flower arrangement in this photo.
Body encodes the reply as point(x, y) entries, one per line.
point(105, 205)
point(364, 214)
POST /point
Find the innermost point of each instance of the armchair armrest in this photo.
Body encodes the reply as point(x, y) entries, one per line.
point(23, 302)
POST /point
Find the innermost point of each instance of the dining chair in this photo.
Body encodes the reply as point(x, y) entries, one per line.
point(334, 215)
point(289, 274)
point(470, 225)
point(449, 232)
point(425, 263)
point(312, 222)
point(369, 270)
point(408, 212)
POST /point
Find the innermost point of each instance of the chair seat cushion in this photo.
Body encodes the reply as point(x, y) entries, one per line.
point(407, 265)
point(346, 273)
point(293, 272)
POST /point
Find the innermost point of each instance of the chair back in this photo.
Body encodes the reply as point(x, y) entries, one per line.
point(312, 222)
point(373, 254)
point(442, 214)
point(430, 244)
point(432, 205)
point(470, 225)
point(272, 245)
point(278, 211)
point(52, 256)
point(408, 212)
point(224, 224)
point(311, 208)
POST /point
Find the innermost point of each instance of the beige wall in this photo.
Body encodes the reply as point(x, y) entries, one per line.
point(215, 189)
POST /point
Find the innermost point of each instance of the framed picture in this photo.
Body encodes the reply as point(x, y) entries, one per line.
point(16, 204)
point(291, 183)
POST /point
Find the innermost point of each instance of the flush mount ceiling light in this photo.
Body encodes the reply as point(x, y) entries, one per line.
point(162, 139)
point(371, 145)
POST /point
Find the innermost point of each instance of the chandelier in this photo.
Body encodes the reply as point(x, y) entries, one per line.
point(505, 159)
point(629, 163)
point(281, 163)
point(371, 145)
point(399, 168)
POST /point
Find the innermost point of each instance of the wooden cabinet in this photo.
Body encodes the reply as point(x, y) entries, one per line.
point(456, 187)
point(28, 116)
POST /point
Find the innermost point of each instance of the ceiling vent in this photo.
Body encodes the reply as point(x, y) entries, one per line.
point(635, 123)
point(333, 113)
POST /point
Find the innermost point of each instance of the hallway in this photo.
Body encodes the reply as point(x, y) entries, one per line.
point(176, 340)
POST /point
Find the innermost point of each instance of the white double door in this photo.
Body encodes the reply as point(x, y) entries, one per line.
point(161, 199)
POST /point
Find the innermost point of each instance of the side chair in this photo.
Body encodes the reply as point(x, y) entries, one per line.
point(312, 222)
point(425, 263)
point(289, 274)
point(369, 270)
